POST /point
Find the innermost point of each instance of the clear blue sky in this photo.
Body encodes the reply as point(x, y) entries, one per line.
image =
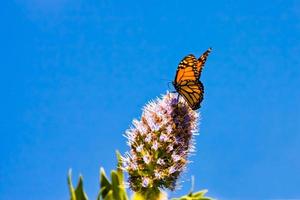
point(75, 73)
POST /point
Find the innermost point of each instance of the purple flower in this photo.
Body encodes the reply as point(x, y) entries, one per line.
point(145, 182)
point(160, 161)
point(146, 159)
point(172, 170)
point(160, 143)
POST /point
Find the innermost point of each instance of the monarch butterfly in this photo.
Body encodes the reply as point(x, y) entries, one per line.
point(187, 82)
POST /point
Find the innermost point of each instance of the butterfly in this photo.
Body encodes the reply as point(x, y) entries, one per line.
point(187, 82)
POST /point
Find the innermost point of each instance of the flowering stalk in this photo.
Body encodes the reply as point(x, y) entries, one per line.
point(159, 145)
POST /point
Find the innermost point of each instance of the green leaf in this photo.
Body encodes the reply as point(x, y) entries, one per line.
point(195, 196)
point(115, 185)
point(200, 193)
point(119, 165)
point(105, 185)
point(114, 190)
point(77, 193)
point(71, 188)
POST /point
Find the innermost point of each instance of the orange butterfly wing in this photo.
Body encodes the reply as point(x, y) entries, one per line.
point(192, 92)
point(201, 61)
point(187, 82)
point(186, 69)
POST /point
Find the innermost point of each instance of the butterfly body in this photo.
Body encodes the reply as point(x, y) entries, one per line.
point(187, 82)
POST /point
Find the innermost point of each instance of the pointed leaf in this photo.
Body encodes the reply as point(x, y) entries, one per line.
point(77, 193)
point(119, 166)
point(71, 188)
point(122, 190)
point(105, 185)
point(115, 185)
point(195, 196)
point(114, 189)
point(200, 193)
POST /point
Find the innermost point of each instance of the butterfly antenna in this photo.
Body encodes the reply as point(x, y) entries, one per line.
point(169, 85)
point(170, 88)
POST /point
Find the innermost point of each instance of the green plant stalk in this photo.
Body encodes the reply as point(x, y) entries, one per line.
point(149, 194)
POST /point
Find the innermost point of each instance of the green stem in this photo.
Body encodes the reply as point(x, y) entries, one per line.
point(149, 194)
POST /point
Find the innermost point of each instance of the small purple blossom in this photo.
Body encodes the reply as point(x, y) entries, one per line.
point(169, 129)
point(176, 157)
point(172, 170)
point(155, 145)
point(170, 148)
point(133, 166)
point(146, 159)
point(160, 161)
point(145, 182)
point(157, 174)
point(139, 148)
point(163, 138)
point(148, 138)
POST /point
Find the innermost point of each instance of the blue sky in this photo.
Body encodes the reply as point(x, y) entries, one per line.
point(75, 73)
